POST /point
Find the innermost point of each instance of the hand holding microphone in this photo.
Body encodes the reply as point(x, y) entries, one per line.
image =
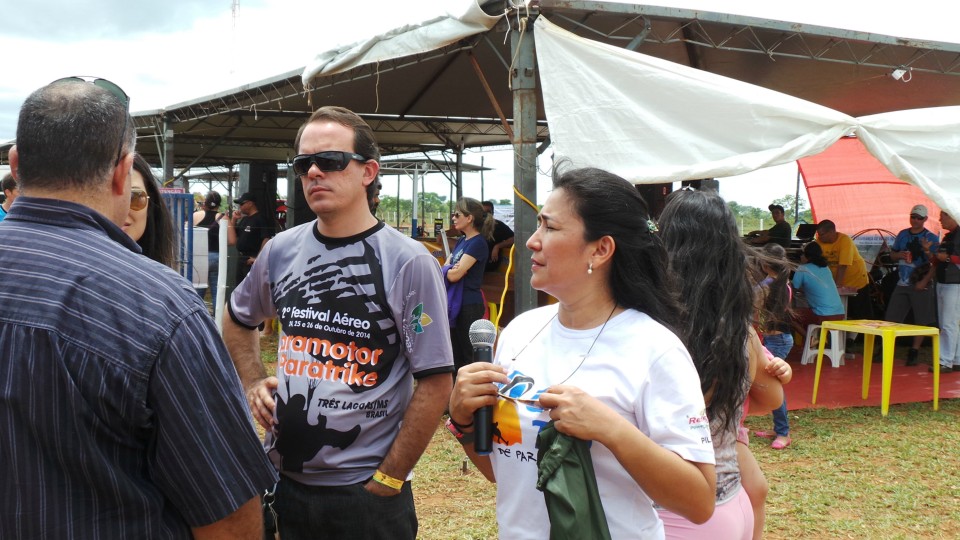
point(482, 335)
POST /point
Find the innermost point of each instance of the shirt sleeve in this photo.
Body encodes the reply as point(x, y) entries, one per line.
point(418, 299)
point(900, 243)
point(798, 278)
point(251, 303)
point(478, 249)
point(673, 408)
point(205, 455)
point(846, 251)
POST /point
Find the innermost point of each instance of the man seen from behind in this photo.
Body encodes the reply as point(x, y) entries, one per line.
point(121, 414)
point(363, 316)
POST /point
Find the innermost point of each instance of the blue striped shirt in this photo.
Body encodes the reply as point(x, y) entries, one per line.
point(121, 414)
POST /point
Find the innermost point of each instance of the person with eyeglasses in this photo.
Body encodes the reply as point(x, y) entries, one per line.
point(362, 309)
point(603, 365)
point(10, 193)
point(149, 222)
point(464, 275)
point(122, 415)
point(913, 291)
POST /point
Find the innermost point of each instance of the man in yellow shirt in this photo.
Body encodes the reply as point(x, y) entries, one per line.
point(848, 268)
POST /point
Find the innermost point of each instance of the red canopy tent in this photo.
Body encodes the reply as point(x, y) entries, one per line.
point(848, 186)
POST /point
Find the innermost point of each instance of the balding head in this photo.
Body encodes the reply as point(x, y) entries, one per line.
point(69, 134)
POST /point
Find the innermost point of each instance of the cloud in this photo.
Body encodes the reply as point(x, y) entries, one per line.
point(74, 20)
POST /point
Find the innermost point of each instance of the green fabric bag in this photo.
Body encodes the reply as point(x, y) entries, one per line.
point(569, 486)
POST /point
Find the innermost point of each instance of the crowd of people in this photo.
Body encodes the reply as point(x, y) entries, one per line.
point(134, 418)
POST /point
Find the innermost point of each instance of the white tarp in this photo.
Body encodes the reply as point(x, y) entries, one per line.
point(651, 120)
point(403, 41)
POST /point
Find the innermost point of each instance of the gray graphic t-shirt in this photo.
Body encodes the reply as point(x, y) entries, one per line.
point(360, 318)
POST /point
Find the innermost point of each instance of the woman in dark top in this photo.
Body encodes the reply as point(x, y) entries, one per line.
point(466, 265)
point(209, 217)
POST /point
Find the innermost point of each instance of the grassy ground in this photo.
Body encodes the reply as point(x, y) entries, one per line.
point(850, 473)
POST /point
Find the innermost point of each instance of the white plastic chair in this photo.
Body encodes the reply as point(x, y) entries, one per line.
point(835, 351)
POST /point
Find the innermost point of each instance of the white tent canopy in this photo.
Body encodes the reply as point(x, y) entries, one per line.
point(651, 121)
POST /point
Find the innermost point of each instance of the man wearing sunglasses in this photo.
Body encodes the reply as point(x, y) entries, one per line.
point(914, 291)
point(121, 416)
point(363, 313)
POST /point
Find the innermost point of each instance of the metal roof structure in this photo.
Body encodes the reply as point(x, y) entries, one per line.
point(455, 96)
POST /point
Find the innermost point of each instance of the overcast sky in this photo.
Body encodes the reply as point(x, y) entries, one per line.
point(166, 52)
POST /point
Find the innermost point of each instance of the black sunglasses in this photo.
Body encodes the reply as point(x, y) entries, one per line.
point(113, 89)
point(328, 161)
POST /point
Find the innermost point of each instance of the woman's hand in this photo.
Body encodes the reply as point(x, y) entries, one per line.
point(579, 414)
point(475, 388)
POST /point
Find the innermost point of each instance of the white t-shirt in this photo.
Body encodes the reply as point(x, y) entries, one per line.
point(638, 368)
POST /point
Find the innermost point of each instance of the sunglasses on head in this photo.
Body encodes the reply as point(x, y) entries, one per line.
point(328, 161)
point(113, 89)
point(138, 199)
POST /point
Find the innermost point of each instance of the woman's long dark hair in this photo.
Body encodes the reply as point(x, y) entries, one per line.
point(814, 254)
point(608, 205)
point(776, 300)
point(709, 262)
point(157, 241)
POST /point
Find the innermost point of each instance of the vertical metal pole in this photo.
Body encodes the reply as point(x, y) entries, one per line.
point(523, 79)
point(413, 213)
point(460, 171)
point(168, 156)
point(483, 194)
point(796, 201)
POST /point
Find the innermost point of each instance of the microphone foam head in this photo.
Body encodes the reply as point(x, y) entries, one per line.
point(482, 332)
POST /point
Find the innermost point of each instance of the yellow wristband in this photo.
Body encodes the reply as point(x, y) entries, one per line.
point(388, 481)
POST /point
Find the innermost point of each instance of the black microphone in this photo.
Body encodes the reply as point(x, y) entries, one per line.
point(482, 335)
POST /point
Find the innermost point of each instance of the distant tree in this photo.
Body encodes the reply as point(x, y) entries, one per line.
point(505, 202)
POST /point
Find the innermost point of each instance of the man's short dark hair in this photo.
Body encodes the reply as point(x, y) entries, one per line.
point(364, 143)
point(68, 135)
point(826, 226)
point(776, 207)
point(8, 182)
point(489, 203)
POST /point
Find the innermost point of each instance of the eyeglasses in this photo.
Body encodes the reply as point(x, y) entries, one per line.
point(328, 161)
point(138, 199)
point(522, 389)
point(117, 93)
point(915, 216)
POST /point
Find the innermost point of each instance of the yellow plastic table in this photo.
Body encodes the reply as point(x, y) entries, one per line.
point(889, 332)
